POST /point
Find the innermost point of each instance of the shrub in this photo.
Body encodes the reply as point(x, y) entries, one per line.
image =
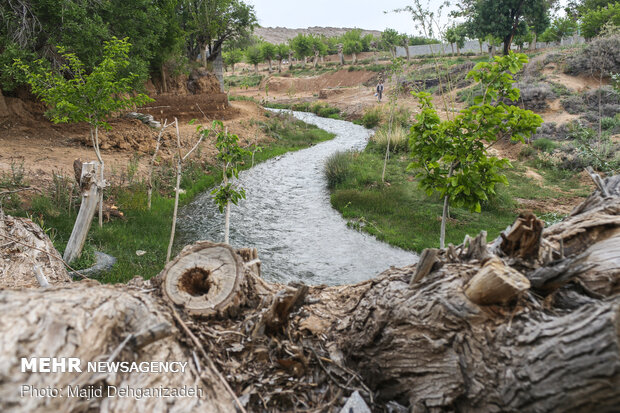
point(602, 54)
point(527, 152)
point(398, 138)
point(338, 168)
point(573, 104)
point(545, 145)
point(372, 117)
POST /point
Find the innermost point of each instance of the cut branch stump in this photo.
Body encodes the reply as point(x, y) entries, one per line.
point(496, 283)
point(205, 279)
point(89, 189)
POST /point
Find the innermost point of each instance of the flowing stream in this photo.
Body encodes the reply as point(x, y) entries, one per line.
point(288, 217)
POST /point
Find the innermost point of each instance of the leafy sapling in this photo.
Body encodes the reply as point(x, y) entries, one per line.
point(452, 155)
point(230, 157)
point(74, 95)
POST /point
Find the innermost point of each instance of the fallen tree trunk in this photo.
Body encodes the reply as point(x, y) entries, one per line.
point(437, 344)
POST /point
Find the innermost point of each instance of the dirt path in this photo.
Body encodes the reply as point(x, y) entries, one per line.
point(38, 148)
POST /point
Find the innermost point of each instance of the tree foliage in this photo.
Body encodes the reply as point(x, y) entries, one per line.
point(452, 155)
point(594, 20)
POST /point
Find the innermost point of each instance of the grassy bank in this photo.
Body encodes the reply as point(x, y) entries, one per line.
point(149, 230)
point(400, 213)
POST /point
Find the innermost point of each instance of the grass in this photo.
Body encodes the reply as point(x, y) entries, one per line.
point(401, 214)
point(245, 81)
point(320, 109)
point(150, 230)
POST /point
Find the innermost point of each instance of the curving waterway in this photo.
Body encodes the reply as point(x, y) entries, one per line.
point(288, 217)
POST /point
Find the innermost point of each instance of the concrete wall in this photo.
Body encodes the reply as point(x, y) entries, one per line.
point(474, 46)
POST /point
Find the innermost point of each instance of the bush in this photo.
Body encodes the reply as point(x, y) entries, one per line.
point(573, 104)
point(545, 145)
point(372, 117)
point(534, 96)
point(338, 168)
point(602, 54)
point(398, 138)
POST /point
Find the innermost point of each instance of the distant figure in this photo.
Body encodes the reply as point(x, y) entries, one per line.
point(379, 91)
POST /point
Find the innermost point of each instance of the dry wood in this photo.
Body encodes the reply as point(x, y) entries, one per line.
point(523, 239)
point(496, 283)
point(476, 247)
point(89, 189)
point(596, 178)
point(425, 265)
point(205, 279)
point(276, 317)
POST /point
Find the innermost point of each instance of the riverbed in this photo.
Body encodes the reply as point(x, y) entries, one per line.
point(288, 217)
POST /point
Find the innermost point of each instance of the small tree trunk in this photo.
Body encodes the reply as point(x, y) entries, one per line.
point(149, 183)
point(88, 186)
point(227, 224)
point(444, 217)
point(101, 182)
point(164, 83)
point(270, 66)
point(480, 44)
point(290, 60)
point(534, 40)
point(304, 61)
point(279, 65)
point(176, 192)
point(354, 58)
point(491, 51)
point(256, 68)
point(218, 68)
point(407, 51)
point(232, 67)
point(458, 50)
point(316, 59)
point(452, 47)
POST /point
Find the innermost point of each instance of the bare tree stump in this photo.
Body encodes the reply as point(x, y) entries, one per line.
point(205, 279)
point(89, 189)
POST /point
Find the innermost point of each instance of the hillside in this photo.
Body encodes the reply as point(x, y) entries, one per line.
point(282, 34)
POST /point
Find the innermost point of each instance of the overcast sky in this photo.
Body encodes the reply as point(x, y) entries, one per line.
point(362, 14)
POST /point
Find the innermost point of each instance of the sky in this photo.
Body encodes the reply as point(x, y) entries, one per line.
point(362, 14)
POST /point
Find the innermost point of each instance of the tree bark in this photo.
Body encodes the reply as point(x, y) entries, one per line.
point(90, 199)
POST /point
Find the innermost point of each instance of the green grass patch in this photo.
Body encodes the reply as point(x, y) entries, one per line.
point(400, 213)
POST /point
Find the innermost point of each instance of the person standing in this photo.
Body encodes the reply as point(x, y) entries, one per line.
point(379, 90)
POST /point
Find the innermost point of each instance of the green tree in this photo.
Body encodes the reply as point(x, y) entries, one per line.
point(87, 97)
point(210, 23)
point(254, 56)
point(268, 52)
point(230, 156)
point(352, 43)
point(302, 46)
point(593, 21)
point(560, 28)
point(452, 155)
point(506, 19)
point(319, 48)
point(232, 57)
point(389, 40)
point(455, 35)
point(283, 51)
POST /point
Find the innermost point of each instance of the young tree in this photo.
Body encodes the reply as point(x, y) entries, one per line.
point(455, 35)
point(560, 28)
point(389, 40)
point(232, 57)
point(352, 43)
point(282, 51)
point(268, 52)
point(87, 97)
point(302, 46)
point(230, 156)
point(452, 155)
point(319, 48)
point(254, 56)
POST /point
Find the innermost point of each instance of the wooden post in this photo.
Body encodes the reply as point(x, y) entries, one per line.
point(88, 186)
